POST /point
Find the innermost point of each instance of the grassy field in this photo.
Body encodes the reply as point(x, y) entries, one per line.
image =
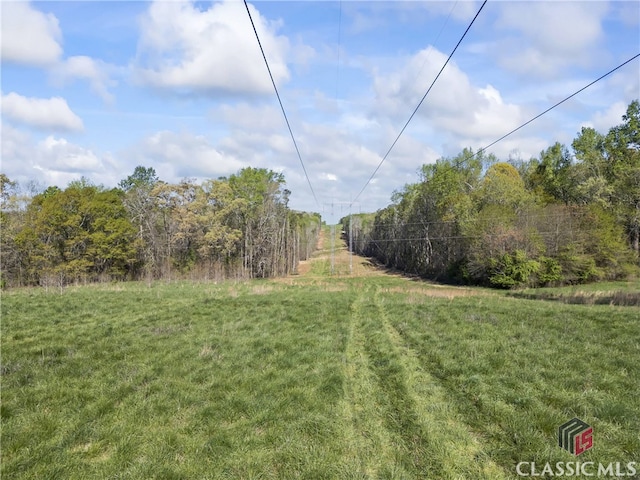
point(315, 376)
point(601, 293)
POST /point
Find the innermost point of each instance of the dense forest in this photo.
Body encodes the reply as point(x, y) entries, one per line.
point(235, 227)
point(565, 217)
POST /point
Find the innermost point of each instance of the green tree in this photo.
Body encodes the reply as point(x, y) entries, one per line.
point(263, 219)
point(552, 174)
point(79, 234)
point(623, 171)
point(502, 185)
point(142, 177)
point(591, 183)
point(10, 223)
point(7, 189)
point(143, 213)
point(219, 210)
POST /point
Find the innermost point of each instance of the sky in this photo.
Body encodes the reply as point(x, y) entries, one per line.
point(94, 88)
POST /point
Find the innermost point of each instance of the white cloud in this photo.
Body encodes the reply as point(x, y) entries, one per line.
point(177, 155)
point(625, 82)
point(28, 35)
point(259, 148)
point(454, 107)
point(463, 11)
point(189, 50)
point(43, 113)
point(85, 68)
point(351, 121)
point(492, 115)
point(12, 141)
point(52, 160)
point(602, 121)
point(565, 27)
point(375, 15)
point(264, 118)
point(398, 92)
point(57, 154)
point(550, 36)
point(34, 38)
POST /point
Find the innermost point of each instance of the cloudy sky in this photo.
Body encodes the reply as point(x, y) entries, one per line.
point(95, 88)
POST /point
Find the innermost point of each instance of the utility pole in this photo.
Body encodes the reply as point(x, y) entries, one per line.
point(333, 235)
point(333, 241)
point(350, 244)
point(333, 248)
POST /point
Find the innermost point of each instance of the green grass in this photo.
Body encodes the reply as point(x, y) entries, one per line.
point(625, 293)
point(346, 378)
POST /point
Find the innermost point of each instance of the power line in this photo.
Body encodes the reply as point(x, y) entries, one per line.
point(447, 237)
point(284, 113)
point(420, 103)
point(339, 46)
point(487, 219)
point(549, 109)
point(435, 42)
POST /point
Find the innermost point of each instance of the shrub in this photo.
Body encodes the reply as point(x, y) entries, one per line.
point(579, 268)
point(512, 269)
point(550, 271)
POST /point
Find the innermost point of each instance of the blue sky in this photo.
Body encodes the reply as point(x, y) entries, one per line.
point(95, 88)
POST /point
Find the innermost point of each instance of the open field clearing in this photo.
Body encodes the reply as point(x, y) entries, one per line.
point(603, 293)
point(313, 376)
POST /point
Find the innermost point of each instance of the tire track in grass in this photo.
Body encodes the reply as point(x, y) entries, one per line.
point(435, 442)
point(369, 448)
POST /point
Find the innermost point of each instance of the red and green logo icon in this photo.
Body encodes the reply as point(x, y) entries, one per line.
point(575, 436)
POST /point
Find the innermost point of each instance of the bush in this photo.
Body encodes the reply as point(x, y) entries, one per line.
point(512, 269)
point(579, 268)
point(550, 271)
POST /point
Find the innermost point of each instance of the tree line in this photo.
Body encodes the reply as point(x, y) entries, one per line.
point(235, 227)
point(567, 216)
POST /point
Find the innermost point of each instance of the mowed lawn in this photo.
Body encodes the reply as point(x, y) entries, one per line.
point(336, 377)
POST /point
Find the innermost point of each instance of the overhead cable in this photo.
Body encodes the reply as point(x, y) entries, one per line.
point(339, 47)
point(420, 103)
point(284, 113)
point(549, 109)
point(435, 42)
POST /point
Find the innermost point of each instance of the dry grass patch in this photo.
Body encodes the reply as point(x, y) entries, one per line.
point(262, 289)
point(619, 293)
point(334, 287)
point(304, 267)
point(208, 351)
point(433, 291)
point(624, 299)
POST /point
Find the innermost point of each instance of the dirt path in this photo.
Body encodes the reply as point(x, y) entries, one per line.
point(332, 260)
